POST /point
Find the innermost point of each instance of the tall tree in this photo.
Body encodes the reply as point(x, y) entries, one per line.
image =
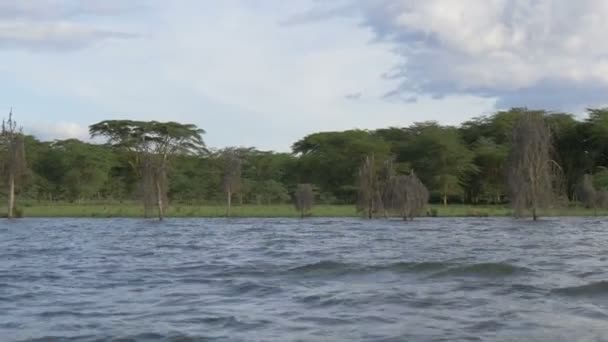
point(439, 154)
point(12, 142)
point(532, 172)
point(152, 145)
point(83, 168)
point(488, 182)
point(331, 159)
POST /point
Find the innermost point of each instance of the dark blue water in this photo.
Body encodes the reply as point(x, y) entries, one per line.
point(311, 280)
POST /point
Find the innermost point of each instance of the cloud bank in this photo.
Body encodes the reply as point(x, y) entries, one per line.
point(547, 53)
point(57, 24)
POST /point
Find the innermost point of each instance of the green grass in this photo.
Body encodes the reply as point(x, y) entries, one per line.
point(133, 209)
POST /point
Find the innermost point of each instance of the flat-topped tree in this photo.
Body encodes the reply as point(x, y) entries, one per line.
point(12, 143)
point(151, 145)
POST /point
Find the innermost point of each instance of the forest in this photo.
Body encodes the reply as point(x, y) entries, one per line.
point(458, 164)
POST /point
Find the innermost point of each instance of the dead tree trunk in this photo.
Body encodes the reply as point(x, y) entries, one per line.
point(304, 199)
point(232, 176)
point(532, 172)
point(369, 194)
point(13, 145)
point(159, 200)
point(11, 196)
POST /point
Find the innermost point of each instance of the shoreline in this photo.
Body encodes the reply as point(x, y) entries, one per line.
point(133, 210)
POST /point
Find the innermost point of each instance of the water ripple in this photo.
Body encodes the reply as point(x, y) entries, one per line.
point(477, 279)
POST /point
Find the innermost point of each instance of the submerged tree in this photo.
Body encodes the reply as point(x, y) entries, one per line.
point(369, 199)
point(231, 182)
point(304, 199)
point(12, 142)
point(532, 173)
point(586, 193)
point(152, 145)
point(386, 177)
point(407, 196)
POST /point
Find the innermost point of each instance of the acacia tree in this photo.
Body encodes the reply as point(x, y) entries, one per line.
point(304, 199)
point(369, 199)
point(12, 143)
point(231, 182)
point(439, 154)
point(151, 146)
point(532, 173)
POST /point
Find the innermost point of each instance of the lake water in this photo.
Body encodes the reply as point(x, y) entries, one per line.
point(304, 280)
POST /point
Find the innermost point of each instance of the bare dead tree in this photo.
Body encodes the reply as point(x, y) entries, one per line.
point(601, 199)
point(13, 144)
point(155, 186)
point(304, 199)
point(416, 197)
point(148, 187)
point(231, 182)
point(369, 201)
point(585, 192)
point(532, 173)
point(407, 196)
point(386, 177)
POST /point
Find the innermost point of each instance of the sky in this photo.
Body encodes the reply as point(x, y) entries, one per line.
point(266, 73)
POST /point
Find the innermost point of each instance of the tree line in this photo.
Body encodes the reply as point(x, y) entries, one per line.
point(486, 160)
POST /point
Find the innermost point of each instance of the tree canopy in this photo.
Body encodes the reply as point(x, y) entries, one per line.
point(457, 164)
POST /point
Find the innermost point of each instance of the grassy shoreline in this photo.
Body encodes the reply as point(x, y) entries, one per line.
point(68, 210)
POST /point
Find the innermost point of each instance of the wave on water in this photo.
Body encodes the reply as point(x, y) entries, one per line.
point(595, 289)
point(488, 269)
point(133, 338)
point(323, 268)
point(442, 269)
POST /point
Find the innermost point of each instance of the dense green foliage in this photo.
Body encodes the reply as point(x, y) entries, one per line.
point(464, 164)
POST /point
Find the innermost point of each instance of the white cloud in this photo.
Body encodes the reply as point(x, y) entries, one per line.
point(58, 131)
point(57, 24)
point(518, 51)
point(234, 68)
point(52, 35)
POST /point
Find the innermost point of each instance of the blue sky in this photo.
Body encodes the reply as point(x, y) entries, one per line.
point(266, 73)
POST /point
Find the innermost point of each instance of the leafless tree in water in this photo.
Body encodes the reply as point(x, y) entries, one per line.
point(407, 196)
point(532, 173)
point(304, 199)
point(601, 199)
point(369, 201)
point(386, 177)
point(155, 187)
point(585, 192)
point(12, 142)
point(231, 182)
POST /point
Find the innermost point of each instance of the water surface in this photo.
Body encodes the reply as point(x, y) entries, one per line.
point(304, 280)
